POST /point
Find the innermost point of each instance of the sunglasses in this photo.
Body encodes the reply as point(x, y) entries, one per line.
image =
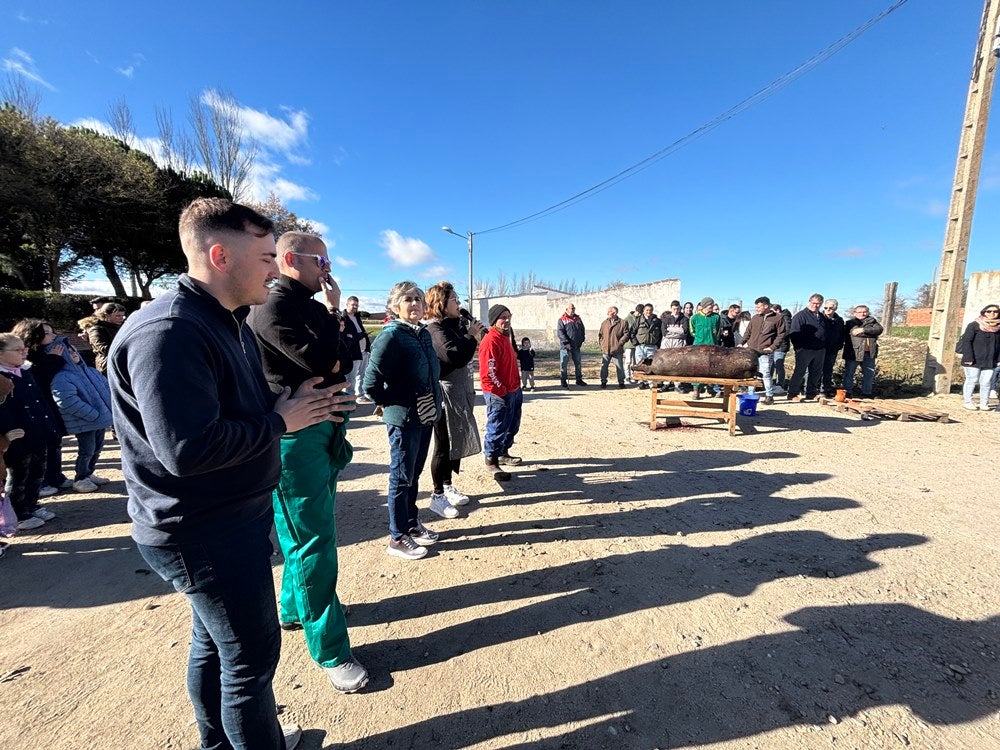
point(992, 310)
point(321, 260)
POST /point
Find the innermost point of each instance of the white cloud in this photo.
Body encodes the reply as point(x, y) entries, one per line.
point(92, 123)
point(435, 272)
point(127, 72)
point(405, 251)
point(21, 63)
point(291, 191)
point(321, 229)
point(271, 132)
point(301, 161)
point(344, 262)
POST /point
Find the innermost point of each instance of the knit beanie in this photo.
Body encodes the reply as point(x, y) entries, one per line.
point(496, 311)
point(707, 302)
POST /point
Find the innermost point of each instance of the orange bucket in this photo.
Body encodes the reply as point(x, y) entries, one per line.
point(841, 395)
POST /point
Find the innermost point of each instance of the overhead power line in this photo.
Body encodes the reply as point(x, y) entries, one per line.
point(755, 98)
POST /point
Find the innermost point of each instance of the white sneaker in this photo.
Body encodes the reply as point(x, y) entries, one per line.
point(47, 490)
point(33, 522)
point(84, 485)
point(454, 496)
point(67, 484)
point(778, 391)
point(43, 513)
point(970, 407)
point(993, 394)
point(99, 481)
point(441, 506)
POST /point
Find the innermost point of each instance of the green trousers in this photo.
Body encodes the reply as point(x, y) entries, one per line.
point(311, 460)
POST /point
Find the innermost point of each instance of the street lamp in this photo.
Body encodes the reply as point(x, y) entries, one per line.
point(468, 236)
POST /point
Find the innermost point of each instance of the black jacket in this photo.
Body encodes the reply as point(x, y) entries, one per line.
point(454, 345)
point(647, 331)
point(195, 418)
point(808, 330)
point(834, 333)
point(299, 338)
point(979, 348)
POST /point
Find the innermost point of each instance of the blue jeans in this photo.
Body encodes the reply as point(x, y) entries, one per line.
point(235, 640)
point(779, 368)
point(88, 449)
point(984, 378)
point(867, 375)
point(503, 420)
point(619, 368)
point(764, 363)
point(564, 355)
point(407, 454)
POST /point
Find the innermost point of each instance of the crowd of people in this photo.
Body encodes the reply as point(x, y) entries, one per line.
point(231, 398)
point(817, 334)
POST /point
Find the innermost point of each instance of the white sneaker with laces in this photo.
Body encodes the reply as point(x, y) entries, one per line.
point(84, 485)
point(454, 496)
point(99, 481)
point(43, 513)
point(32, 522)
point(47, 490)
point(441, 506)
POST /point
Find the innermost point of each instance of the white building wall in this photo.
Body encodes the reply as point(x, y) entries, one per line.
point(984, 289)
point(536, 314)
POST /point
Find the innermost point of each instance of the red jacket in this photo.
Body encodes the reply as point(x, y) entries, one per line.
point(498, 372)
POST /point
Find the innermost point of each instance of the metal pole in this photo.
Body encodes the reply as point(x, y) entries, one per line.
point(471, 311)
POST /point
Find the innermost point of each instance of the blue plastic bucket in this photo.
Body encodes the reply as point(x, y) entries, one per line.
point(747, 403)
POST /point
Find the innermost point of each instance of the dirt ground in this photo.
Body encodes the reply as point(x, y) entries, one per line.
point(817, 581)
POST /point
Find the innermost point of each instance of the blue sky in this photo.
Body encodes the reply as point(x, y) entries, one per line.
point(384, 121)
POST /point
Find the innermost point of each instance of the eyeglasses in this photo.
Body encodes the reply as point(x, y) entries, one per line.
point(321, 260)
point(991, 310)
point(829, 308)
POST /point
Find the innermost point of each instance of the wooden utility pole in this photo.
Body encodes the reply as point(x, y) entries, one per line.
point(955, 252)
point(889, 306)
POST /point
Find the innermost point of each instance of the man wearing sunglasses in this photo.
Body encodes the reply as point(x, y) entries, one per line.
point(861, 348)
point(301, 338)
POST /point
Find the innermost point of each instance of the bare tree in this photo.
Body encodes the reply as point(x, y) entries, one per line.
point(502, 284)
point(178, 149)
point(121, 121)
point(222, 143)
point(22, 95)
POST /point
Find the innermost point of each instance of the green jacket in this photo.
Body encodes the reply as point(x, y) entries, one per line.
point(402, 367)
point(706, 329)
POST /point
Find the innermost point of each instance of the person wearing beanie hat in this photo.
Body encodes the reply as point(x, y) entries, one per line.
point(501, 384)
point(495, 312)
point(572, 334)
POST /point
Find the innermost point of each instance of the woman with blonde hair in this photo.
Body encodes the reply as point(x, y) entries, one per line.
point(402, 378)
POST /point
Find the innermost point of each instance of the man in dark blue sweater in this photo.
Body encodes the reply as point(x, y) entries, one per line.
point(808, 334)
point(199, 430)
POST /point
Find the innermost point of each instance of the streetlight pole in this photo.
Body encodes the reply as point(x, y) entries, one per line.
point(468, 236)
